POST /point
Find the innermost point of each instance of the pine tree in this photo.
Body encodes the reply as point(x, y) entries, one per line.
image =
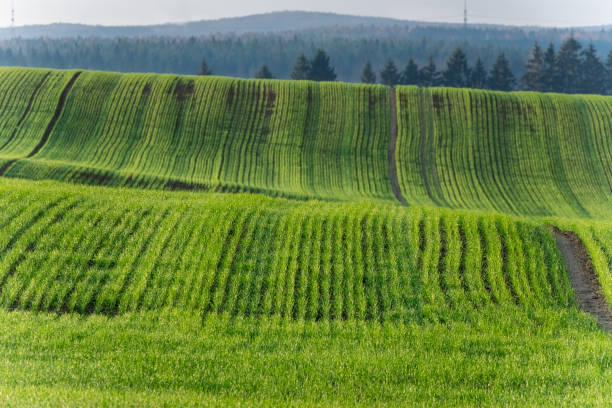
point(550, 77)
point(264, 73)
point(533, 78)
point(301, 70)
point(569, 64)
point(389, 75)
point(368, 76)
point(479, 76)
point(410, 76)
point(502, 78)
point(320, 68)
point(429, 75)
point(457, 72)
point(593, 72)
point(609, 73)
point(204, 70)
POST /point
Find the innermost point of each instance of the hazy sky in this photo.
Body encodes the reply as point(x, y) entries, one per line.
point(114, 12)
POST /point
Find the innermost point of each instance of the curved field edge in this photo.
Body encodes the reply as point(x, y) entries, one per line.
point(506, 357)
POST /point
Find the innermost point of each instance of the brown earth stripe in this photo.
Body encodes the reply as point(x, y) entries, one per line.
point(392, 151)
point(583, 278)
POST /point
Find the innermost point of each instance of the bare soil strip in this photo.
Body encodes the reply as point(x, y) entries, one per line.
point(392, 149)
point(583, 278)
point(6, 166)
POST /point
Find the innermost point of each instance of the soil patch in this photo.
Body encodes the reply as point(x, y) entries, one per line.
point(392, 149)
point(583, 278)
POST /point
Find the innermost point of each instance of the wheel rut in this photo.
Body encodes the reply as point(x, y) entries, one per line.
point(583, 278)
point(392, 151)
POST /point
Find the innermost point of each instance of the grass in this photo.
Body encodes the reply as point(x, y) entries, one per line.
point(527, 358)
point(116, 289)
point(518, 153)
point(295, 139)
point(78, 250)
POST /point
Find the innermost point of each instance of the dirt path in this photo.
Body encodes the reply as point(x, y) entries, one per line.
point(583, 279)
point(392, 149)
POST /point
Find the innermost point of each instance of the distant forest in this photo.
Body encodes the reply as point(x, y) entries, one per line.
point(239, 56)
point(244, 55)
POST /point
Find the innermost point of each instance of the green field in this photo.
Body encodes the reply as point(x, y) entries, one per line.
point(520, 153)
point(184, 241)
point(296, 139)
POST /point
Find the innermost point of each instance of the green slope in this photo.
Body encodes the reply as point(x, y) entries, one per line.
point(505, 357)
point(296, 139)
point(105, 251)
point(517, 153)
point(114, 296)
point(128, 297)
point(521, 153)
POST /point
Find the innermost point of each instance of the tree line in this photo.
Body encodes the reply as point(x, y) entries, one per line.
point(243, 56)
point(573, 69)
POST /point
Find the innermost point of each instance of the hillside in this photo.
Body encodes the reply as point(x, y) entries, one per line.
point(131, 297)
point(521, 153)
point(186, 241)
point(109, 252)
point(287, 138)
point(516, 153)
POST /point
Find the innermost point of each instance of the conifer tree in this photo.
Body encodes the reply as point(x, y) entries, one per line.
point(457, 72)
point(533, 78)
point(301, 70)
point(204, 70)
point(368, 76)
point(389, 75)
point(429, 75)
point(321, 69)
point(609, 74)
point(593, 72)
point(410, 76)
point(569, 65)
point(502, 78)
point(264, 73)
point(550, 77)
point(479, 76)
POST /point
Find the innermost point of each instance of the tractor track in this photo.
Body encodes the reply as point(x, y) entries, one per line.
point(392, 151)
point(583, 278)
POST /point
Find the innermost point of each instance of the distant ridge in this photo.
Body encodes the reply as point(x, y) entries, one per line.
point(258, 23)
point(274, 22)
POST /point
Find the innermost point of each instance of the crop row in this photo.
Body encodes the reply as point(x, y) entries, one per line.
point(111, 252)
point(521, 153)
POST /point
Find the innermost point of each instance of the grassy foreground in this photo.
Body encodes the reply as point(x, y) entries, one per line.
point(501, 357)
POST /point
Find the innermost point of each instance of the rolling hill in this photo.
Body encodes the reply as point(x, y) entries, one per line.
point(188, 241)
point(516, 153)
